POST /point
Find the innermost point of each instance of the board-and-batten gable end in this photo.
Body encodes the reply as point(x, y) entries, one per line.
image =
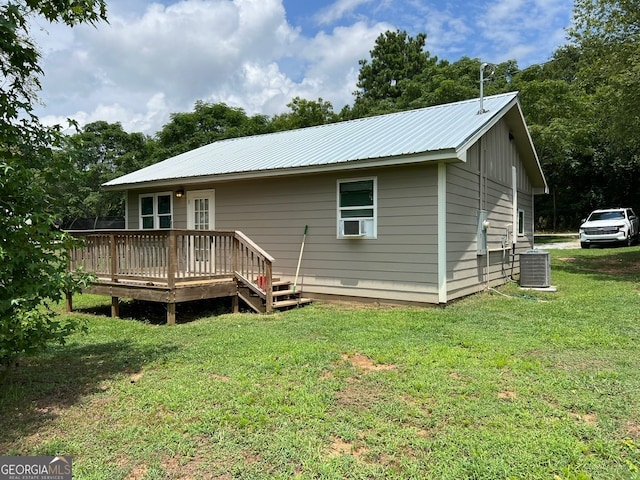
point(512, 115)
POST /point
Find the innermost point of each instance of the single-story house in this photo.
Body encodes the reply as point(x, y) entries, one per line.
point(421, 206)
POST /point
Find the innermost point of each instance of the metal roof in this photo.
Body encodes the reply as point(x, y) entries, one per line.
point(429, 131)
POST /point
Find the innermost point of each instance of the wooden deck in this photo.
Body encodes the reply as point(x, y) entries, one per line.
point(173, 266)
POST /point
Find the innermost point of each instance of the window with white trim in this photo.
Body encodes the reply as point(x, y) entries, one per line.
point(521, 223)
point(357, 208)
point(156, 210)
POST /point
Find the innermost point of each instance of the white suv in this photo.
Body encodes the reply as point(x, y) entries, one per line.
point(613, 225)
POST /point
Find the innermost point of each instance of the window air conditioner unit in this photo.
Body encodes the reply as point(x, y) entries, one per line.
point(352, 228)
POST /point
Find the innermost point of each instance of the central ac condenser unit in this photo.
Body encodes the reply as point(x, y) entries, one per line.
point(535, 269)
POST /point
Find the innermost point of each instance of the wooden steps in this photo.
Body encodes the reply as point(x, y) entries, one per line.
point(284, 297)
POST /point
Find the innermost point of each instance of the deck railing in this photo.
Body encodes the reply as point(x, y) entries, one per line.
point(172, 257)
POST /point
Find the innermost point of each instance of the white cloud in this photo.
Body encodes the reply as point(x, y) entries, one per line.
point(447, 34)
point(516, 29)
point(334, 59)
point(212, 50)
point(152, 59)
point(338, 10)
point(191, 50)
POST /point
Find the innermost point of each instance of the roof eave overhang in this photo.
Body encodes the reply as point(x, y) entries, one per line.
point(446, 155)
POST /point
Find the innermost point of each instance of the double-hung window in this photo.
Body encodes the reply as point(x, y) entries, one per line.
point(357, 208)
point(156, 210)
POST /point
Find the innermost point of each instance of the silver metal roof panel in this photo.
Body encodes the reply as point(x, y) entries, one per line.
point(422, 131)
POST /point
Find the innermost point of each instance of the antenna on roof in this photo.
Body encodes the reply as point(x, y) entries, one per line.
point(482, 80)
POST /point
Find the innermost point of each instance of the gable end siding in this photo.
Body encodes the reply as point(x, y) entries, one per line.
point(494, 155)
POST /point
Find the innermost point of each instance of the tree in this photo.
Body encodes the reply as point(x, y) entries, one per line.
point(32, 250)
point(402, 75)
point(207, 123)
point(607, 33)
point(396, 60)
point(304, 113)
point(100, 152)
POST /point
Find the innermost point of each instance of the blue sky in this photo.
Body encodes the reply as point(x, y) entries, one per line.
point(155, 58)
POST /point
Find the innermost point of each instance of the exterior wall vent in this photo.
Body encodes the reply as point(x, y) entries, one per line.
point(535, 269)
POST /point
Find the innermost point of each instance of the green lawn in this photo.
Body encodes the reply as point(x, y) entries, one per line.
point(522, 385)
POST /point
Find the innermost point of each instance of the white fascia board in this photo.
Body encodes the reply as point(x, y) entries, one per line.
point(535, 153)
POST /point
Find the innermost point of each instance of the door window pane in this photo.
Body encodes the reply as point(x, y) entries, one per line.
point(201, 213)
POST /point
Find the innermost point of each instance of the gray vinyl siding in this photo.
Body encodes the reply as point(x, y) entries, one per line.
point(466, 271)
point(400, 264)
point(179, 209)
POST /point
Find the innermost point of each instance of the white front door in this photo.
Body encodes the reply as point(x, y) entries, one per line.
point(201, 210)
point(201, 216)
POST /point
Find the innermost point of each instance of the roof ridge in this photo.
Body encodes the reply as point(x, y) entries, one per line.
point(420, 133)
point(361, 119)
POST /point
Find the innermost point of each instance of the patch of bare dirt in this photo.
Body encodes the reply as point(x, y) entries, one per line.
point(341, 447)
point(366, 364)
point(186, 470)
point(507, 395)
point(138, 473)
point(632, 429)
point(220, 378)
point(357, 393)
point(358, 396)
point(587, 418)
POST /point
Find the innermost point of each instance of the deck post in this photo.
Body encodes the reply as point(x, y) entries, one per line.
point(235, 252)
point(171, 313)
point(114, 258)
point(172, 260)
point(235, 303)
point(115, 307)
point(268, 272)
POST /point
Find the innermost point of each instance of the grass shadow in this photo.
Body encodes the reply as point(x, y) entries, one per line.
point(546, 239)
point(155, 313)
point(39, 389)
point(621, 264)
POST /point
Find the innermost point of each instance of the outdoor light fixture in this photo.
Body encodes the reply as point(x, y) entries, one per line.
point(179, 193)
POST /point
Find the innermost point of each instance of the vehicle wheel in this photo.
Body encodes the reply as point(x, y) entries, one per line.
point(584, 245)
point(629, 241)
